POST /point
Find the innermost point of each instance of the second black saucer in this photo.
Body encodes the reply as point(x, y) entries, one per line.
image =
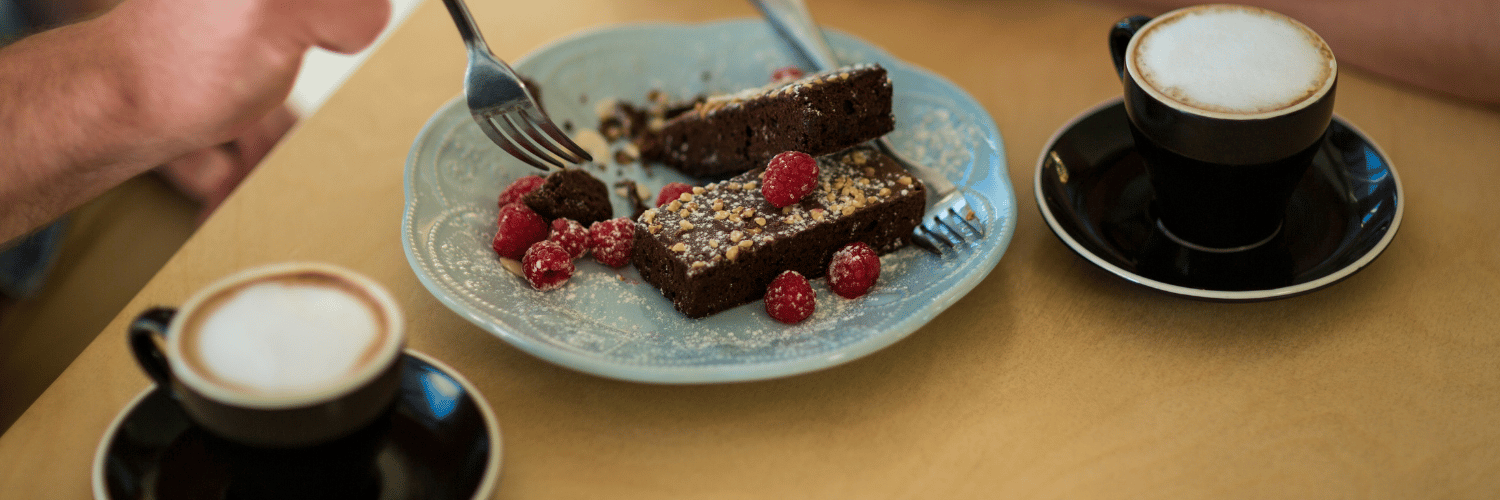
point(1091, 188)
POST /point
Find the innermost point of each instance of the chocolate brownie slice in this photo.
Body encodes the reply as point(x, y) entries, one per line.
point(818, 114)
point(573, 194)
point(722, 245)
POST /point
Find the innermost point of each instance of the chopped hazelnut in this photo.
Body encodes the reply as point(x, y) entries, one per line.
point(513, 266)
point(679, 247)
point(605, 108)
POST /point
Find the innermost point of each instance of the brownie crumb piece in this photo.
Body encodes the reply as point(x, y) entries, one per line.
point(572, 194)
point(636, 193)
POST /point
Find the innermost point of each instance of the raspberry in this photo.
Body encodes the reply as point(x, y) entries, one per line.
point(612, 240)
point(519, 188)
point(519, 227)
point(787, 74)
point(789, 176)
point(571, 235)
point(547, 265)
point(853, 270)
point(790, 298)
point(672, 191)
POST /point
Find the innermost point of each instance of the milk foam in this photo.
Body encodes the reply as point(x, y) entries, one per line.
point(1233, 60)
point(285, 338)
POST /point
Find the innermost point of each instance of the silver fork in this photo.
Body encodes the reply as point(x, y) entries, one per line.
point(503, 106)
point(949, 222)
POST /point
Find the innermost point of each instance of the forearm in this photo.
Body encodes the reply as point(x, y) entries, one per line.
point(1447, 45)
point(72, 123)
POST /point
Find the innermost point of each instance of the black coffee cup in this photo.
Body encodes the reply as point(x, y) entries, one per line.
point(317, 439)
point(1228, 105)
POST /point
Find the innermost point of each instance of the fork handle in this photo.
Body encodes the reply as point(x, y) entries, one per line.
point(792, 19)
point(466, 26)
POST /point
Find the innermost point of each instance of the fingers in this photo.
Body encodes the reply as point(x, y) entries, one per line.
point(257, 141)
point(206, 175)
point(345, 26)
point(209, 175)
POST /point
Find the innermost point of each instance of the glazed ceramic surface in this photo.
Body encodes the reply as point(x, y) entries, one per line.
point(1092, 189)
point(610, 323)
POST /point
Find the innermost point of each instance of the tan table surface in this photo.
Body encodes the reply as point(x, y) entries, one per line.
point(1052, 379)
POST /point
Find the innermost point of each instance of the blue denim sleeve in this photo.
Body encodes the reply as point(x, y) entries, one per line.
point(24, 262)
point(13, 22)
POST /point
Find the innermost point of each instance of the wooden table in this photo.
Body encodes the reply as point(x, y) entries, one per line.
point(1052, 379)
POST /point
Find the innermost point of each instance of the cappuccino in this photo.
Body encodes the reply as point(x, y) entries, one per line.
point(1230, 61)
point(300, 335)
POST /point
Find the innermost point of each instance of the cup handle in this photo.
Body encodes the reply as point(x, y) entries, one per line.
point(147, 333)
point(1119, 38)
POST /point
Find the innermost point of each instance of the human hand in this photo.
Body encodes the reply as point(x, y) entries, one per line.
point(208, 175)
point(210, 70)
point(156, 82)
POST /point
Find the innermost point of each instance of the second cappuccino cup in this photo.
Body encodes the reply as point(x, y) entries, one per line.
point(1228, 105)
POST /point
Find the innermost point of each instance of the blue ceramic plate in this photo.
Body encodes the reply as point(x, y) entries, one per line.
point(610, 323)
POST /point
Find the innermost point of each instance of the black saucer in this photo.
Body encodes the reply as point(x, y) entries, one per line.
point(444, 444)
point(1092, 189)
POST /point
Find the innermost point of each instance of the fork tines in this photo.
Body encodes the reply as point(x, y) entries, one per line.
point(946, 227)
point(532, 146)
